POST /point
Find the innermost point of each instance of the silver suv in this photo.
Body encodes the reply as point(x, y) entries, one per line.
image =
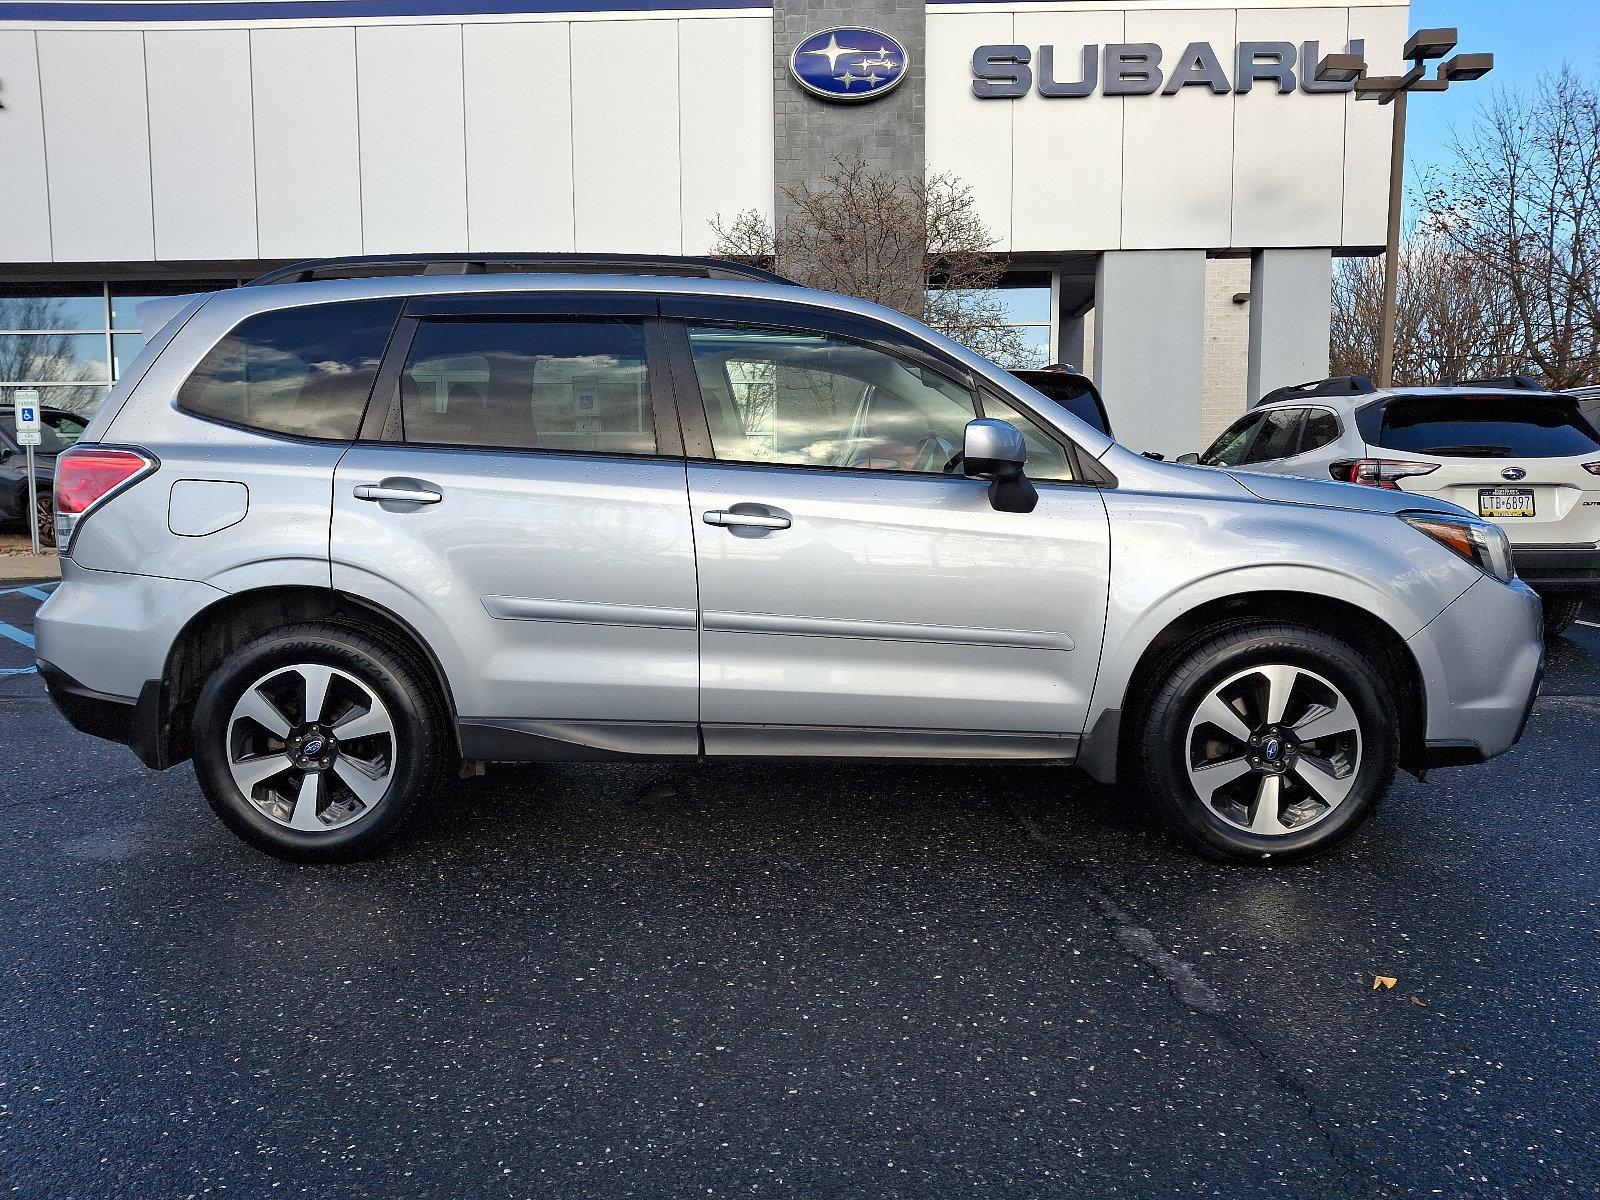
point(339, 539)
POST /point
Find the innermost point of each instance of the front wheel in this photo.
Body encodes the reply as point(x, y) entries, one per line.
point(1560, 611)
point(317, 742)
point(1268, 741)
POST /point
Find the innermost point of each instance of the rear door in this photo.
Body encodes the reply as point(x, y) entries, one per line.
point(1519, 459)
point(858, 594)
point(518, 496)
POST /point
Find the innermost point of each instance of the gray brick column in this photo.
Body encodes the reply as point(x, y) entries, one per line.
point(811, 134)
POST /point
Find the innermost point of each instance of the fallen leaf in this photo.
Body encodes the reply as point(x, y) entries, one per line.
point(1383, 981)
point(1419, 1002)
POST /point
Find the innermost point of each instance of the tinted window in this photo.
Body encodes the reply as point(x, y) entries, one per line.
point(1046, 458)
point(810, 400)
point(1322, 428)
point(1518, 426)
point(303, 371)
point(1072, 396)
point(529, 384)
point(57, 431)
point(1279, 432)
point(1228, 450)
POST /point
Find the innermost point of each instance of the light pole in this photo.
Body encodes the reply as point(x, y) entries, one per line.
point(1424, 45)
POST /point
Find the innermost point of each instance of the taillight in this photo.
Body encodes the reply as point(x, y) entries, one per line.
point(1383, 473)
point(87, 476)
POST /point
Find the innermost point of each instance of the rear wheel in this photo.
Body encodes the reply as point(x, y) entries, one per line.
point(316, 743)
point(47, 519)
point(1268, 741)
point(1560, 611)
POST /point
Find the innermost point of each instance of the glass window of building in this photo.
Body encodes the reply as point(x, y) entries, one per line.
point(71, 341)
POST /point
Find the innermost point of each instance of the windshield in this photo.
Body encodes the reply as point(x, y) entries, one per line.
point(1519, 426)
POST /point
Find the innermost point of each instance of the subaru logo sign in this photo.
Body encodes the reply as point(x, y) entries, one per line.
point(1513, 474)
point(312, 747)
point(849, 64)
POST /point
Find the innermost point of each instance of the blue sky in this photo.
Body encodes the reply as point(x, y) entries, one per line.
point(1526, 37)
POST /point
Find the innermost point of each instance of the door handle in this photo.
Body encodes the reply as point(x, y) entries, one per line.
point(378, 493)
point(727, 519)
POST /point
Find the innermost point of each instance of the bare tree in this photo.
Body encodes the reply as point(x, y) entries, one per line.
point(1522, 207)
point(1452, 319)
point(911, 244)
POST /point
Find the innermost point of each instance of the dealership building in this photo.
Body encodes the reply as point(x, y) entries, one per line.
point(1167, 179)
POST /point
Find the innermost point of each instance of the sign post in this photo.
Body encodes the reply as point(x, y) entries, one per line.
point(28, 437)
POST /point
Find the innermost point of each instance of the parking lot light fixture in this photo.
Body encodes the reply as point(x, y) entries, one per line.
point(1423, 46)
point(1341, 68)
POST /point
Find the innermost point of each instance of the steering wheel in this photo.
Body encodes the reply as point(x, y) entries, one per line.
point(935, 453)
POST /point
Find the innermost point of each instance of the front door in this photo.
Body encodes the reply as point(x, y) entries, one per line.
point(858, 594)
point(526, 513)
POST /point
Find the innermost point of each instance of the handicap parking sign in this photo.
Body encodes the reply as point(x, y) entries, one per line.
point(28, 418)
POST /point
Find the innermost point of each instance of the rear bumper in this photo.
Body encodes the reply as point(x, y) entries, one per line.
point(136, 722)
point(1576, 570)
point(1482, 662)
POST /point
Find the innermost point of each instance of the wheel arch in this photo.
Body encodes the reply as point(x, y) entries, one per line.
point(1114, 729)
point(240, 617)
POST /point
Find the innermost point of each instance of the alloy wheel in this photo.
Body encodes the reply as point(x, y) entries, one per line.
point(1273, 749)
point(311, 747)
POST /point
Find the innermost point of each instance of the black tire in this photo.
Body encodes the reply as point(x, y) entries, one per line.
point(422, 751)
point(1191, 675)
point(1560, 611)
point(47, 519)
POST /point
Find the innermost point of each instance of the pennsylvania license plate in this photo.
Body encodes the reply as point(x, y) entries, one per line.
point(1505, 502)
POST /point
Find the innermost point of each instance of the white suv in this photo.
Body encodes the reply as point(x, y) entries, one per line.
point(1504, 449)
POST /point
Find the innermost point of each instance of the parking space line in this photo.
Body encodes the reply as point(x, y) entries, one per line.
point(33, 592)
point(21, 636)
point(1590, 624)
point(13, 672)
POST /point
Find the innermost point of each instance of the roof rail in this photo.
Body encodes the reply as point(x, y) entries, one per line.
point(369, 266)
point(1522, 383)
point(1338, 385)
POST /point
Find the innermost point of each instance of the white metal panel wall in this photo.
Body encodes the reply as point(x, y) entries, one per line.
point(718, 58)
point(308, 163)
point(97, 144)
point(519, 136)
point(1192, 170)
point(202, 143)
point(1068, 153)
point(1288, 160)
point(413, 138)
point(1177, 184)
point(971, 138)
point(1369, 127)
point(24, 196)
point(626, 188)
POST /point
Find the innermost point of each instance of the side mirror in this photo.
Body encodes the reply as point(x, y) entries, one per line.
point(1191, 459)
point(995, 450)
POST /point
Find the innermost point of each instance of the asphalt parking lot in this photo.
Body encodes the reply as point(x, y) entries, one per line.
point(839, 981)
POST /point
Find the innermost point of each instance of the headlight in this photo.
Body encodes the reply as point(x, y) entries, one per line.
point(1483, 545)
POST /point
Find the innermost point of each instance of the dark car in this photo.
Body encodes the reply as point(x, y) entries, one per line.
point(58, 430)
point(1074, 392)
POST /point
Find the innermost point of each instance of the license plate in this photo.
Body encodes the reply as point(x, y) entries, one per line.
point(1505, 502)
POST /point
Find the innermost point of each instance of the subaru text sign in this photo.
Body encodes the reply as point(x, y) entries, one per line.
point(849, 64)
point(1139, 69)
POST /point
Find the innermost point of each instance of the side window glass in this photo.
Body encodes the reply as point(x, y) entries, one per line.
point(806, 399)
point(529, 384)
point(1228, 450)
point(1047, 459)
point(305, 371)
point(1322, 428)
point(1277, 437)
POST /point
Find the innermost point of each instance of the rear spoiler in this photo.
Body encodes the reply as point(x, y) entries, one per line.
point(154, 314)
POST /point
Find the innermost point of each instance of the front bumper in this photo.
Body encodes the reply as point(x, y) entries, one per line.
point(136, 723)
point(1566, 570)
point(1482, 661)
